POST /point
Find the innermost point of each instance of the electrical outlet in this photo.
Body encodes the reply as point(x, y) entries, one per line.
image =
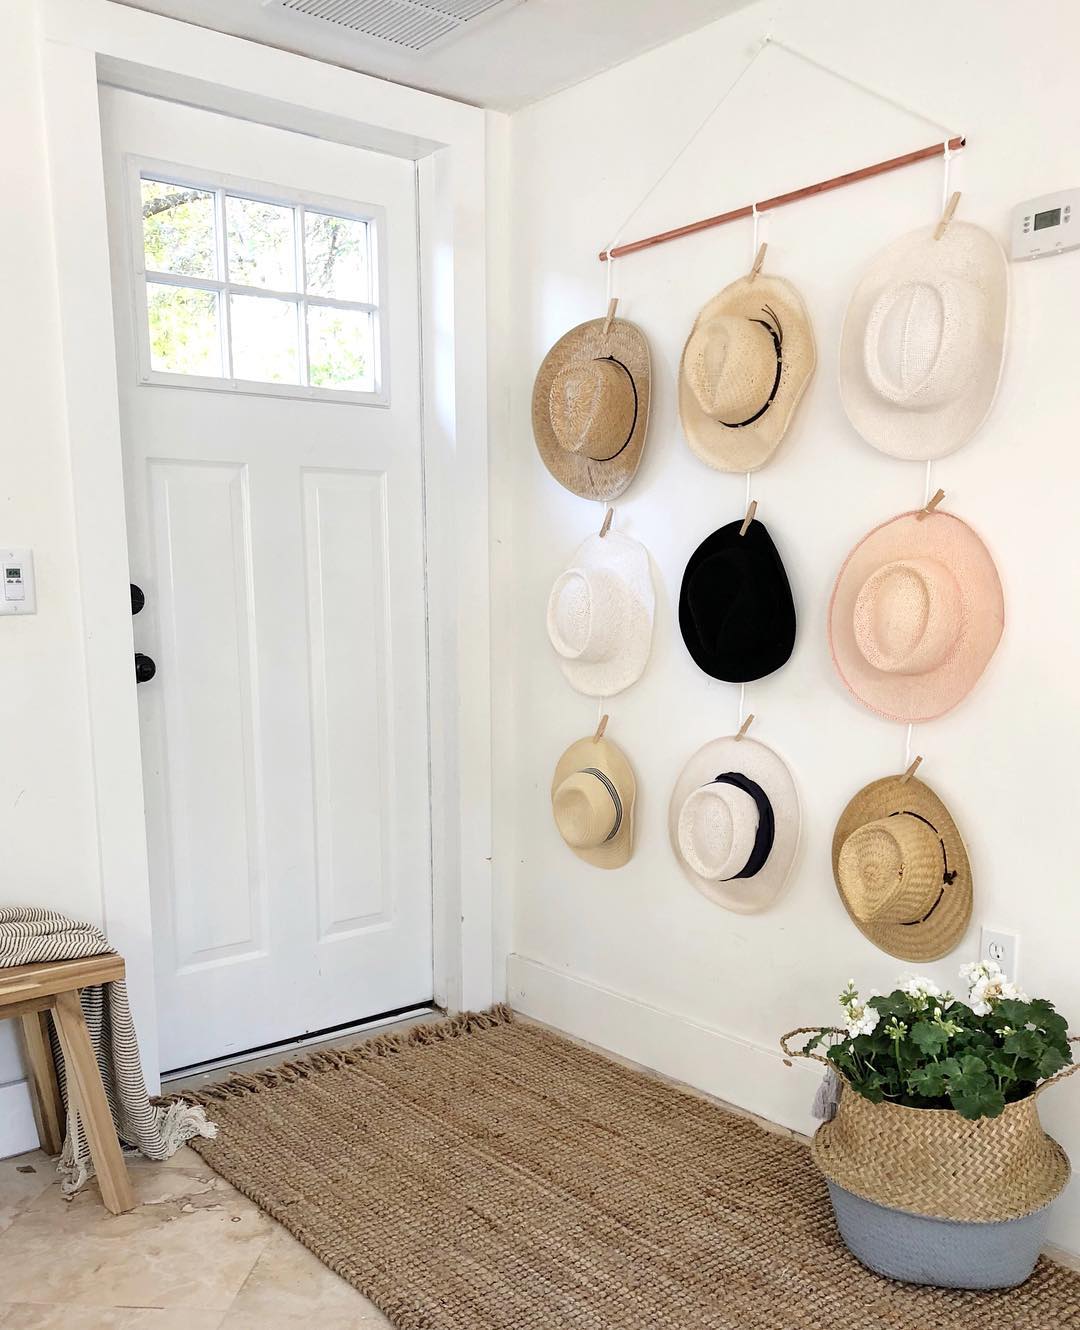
point(1002, 948)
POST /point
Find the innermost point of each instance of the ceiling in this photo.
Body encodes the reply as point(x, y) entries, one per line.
point(503, 61)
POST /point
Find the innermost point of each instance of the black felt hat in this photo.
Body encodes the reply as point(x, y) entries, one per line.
point(736, 613)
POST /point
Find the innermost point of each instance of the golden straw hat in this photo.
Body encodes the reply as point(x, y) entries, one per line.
point(590, 407)
point(745, 365)
point(902, 870)
point(592, 799)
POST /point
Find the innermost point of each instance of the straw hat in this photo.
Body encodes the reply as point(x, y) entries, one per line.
point(600, 615)
point(736, 613)
point(592, 798)
point(916, 614)
point(902, 870)
point(923, 342)
point(745, 365)
point(590, 407)
point(734, 823)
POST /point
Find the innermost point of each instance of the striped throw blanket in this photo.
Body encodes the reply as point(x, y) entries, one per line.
point(157, 1130)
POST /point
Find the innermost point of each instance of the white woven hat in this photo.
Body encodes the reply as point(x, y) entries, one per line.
point(592, 800)
point(744, 368)
point(734, 822)
point(923, 343)
point(600, 615)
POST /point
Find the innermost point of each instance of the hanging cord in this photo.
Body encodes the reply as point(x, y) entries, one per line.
point(687, 145)
point(947, 155)
point(610, 269)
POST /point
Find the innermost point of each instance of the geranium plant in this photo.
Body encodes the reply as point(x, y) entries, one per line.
point(923, 1048)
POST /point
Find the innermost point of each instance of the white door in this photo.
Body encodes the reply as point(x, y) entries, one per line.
point(273, 478)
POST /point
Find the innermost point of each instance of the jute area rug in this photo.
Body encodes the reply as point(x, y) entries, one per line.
point(485, 1174)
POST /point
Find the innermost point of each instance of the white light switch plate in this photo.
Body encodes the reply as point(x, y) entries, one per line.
point(18, 594)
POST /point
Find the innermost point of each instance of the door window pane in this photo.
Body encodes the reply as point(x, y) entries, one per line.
point(262, 244)
point(178, 229)
point(265, 339)
point(336, 257)
point(185, 334)
point(341, 348)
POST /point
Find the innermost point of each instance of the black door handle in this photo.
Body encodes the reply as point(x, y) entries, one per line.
point(145, 669)
point(138, 598)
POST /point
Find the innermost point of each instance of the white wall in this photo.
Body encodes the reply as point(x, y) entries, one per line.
point(47, 821)
point(637, 959)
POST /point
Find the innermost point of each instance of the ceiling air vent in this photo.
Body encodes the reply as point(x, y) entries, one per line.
point(412, 25)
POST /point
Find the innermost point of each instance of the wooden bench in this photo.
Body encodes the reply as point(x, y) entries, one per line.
point(31, 993)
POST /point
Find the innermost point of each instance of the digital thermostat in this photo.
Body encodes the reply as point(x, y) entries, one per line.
point(17, 582)
point(1045, 226)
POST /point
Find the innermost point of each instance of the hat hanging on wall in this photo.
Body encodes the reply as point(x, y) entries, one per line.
point(600, 615)
point(734, 823)
point(745, 365)
point(916, 614)
point(592, 799)
point(590, 407)
point(902, 870)
point(923, 342)
point(736, 612)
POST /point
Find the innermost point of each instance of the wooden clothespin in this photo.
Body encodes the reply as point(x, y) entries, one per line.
point(601, 728)
point(613, 305)
point(750, 512)
point(910, 771)
point(947, 215)
point(606, 526)
point(925, 512)
point(745, 726)
point(759, 259)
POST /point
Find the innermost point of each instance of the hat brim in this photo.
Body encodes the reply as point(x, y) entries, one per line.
point(752, 894)
point(939, 934)
point(585, 476)
point(913, 698)
point(965, 251)
point(750, 447)
point(629, 559)
point(606, 757)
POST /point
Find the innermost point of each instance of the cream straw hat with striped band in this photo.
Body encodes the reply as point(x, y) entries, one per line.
point(744, 368)
point(902, 869)
point(592, 799)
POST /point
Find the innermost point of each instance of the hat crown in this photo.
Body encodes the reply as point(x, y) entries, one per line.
point(586, 812)
point(592, 404)
point(907, 616)
point(585, 611)
point(717, 829)
point(891, 870)
point(921, 337)
point(730, 365)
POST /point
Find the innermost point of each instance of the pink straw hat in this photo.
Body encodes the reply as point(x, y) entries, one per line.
point(916, 614)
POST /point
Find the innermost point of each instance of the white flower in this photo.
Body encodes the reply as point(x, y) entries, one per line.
point(920, 989)
point(861, 1019)
point(988, 987)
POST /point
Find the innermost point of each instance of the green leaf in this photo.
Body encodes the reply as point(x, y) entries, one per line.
point(929, 1082)
point(973, 1093)
point(1051, 1061)
point(929, 1039)
point(1023, 1043)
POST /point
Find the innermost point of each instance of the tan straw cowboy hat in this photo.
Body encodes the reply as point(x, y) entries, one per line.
point(745, 365)
point(590, 407)
point(734, 823)
point(923, 342)
point(592, 799)
point(902, 870)
point(916, 614)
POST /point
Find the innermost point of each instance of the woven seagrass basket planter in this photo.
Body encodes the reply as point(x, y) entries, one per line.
point(926, 1196)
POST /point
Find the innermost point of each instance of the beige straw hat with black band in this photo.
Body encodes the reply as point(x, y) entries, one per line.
point(590, 407)
point(592, 800)
point(902, 870)
point(744, 368)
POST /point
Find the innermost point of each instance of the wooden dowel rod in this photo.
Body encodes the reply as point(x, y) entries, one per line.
point(779, 200)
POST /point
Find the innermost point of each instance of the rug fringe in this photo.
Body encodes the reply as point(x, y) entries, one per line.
point(332, 1059)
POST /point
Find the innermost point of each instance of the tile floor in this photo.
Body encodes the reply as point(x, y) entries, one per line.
point(194, 1255)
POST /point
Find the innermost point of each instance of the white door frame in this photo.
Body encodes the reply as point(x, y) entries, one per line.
point(87, 40)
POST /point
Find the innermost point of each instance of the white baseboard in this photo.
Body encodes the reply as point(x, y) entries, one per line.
point(17, 1130)
point(748, 1075)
